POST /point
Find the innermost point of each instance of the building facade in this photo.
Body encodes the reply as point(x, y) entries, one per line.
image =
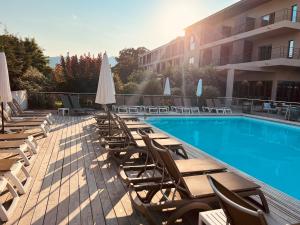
point(168, 55)
point(254, 44)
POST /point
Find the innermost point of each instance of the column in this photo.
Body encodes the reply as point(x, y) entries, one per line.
point(274, 90)
point(229, 86)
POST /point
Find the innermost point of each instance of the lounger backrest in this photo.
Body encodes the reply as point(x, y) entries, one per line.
point(168, 163)
point(13, 108)
point(75, 101)
point(17, 105)
point(149, 145)
point(187, 102)
point(65, 101)
point(147, 101)
point(237, 210)
point(125, 129)
point(7, 118)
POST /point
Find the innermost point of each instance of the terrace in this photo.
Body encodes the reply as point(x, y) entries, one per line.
point(75, 183)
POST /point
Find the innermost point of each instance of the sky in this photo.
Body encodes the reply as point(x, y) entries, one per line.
point(78, 26)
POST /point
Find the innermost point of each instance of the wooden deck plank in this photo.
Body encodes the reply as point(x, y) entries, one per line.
point(27, 201)
point(74, 183)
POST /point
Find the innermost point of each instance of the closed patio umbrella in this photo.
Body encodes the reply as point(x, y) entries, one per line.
point(5, 92)
point(167, 89)
point(106, 87)
point(199, 88)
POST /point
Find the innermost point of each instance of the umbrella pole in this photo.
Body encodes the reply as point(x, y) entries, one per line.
point(2, 116)
point(109, 128)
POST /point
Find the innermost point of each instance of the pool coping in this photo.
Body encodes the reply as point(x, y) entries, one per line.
point(287, 203)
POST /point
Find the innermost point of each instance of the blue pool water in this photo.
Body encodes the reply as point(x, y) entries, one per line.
point(266, 150)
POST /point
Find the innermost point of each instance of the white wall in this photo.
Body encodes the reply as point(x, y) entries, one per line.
point(21, 97)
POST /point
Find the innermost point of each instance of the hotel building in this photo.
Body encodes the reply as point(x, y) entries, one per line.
point(254, 45)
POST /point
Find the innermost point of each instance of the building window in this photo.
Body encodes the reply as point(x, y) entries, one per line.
point(294, 13)
point(191, 60)
point(265, 52)
point(291, 49)
point(267, 19)
point(192, 42)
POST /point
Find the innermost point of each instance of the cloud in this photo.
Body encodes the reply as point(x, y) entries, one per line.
point(74, 17)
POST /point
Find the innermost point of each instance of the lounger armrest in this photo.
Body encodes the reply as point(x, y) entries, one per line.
point(139, 167)
point(147, 186)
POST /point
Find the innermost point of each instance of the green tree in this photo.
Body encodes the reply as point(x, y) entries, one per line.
point(131, 88)
point(127, 62)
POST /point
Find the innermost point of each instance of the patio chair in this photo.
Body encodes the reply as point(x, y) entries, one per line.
point(191, 189)
point(185, 166)
point(76, 107)
point(132, 103)
point(149, 107)
point(7, 211)
point(267, 107)
point(11, 170)
point(177, 103)
point(210, 107)
point(235, 209)
point(218, 104)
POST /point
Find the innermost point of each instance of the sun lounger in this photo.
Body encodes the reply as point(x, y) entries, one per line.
point(210, 107)
point(11, 169)
point(218, 104)
point(268, 108)
point(235, 209)
point(191, 189)
point(19, 113)
point(77, 107)
point(27, 138)
point(185, 166)
point(7, 211)
point(17, 148)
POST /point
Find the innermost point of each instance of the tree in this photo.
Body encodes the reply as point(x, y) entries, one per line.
point(127, 62)
point(22, 55)
point(131, 88)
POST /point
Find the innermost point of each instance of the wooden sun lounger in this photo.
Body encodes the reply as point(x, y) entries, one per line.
point(185, 166)
point(192, 189)
point(10, 169)
point(14, 148)
point(27, 138)
point(6, 212)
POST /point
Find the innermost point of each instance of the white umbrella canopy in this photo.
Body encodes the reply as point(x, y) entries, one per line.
point(199, 88)
point(167, 89)
point(106, 87)
point(5, 92)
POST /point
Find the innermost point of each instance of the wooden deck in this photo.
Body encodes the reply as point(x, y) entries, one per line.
point(74, 183)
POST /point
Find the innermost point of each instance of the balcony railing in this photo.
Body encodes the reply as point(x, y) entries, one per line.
point(252, 24)
point(275, 53)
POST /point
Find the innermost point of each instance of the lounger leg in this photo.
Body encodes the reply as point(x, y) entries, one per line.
point(32, 144)
point(187, 208)
point(12, 176)
point(5, 213)
point(21, 152)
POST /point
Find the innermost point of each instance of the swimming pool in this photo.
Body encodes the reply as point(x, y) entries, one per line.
point(266, 150)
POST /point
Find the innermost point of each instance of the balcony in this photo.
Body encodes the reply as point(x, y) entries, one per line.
point(279, 21)
point(281, 52)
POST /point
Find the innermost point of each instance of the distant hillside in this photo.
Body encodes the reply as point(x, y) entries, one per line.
point(56, 59)
point(53, 61)
point(112, 61)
